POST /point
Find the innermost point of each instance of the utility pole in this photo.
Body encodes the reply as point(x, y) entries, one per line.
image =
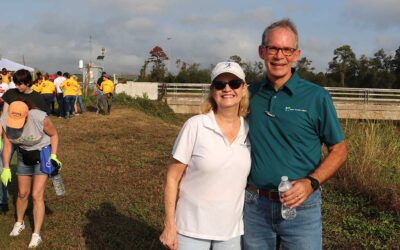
point(91, 48)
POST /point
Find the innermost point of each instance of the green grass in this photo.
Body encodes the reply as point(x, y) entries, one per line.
point(114, 168)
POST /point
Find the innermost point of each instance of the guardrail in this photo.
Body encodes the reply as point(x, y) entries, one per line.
point(340, 94)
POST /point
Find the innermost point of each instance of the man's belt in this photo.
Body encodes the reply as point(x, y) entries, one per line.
point(271, 194)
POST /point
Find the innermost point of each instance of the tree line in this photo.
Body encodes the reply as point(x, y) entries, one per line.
point(382, 70)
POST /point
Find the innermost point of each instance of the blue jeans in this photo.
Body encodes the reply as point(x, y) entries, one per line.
point(264, 227)
point(189, 243)
point(60, 101)
point(69, 101)
point(79, 103)
point(3, 189)
point(99, 100)
point(49, 100)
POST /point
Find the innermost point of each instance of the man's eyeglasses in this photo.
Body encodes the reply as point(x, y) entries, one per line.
point(272, 50)
point(233, 84)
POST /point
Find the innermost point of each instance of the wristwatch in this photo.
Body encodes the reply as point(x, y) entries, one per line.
point(314, 182)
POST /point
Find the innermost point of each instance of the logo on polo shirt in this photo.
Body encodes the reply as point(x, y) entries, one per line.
point(290, 109)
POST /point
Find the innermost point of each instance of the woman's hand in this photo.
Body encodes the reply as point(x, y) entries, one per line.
point(168, 237)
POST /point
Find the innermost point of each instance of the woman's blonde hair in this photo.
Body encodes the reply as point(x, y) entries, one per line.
point(209, 103)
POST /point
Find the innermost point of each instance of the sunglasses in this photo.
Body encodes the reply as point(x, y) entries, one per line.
point(233, 84)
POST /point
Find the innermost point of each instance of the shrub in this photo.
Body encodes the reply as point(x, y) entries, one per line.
point(144, 104)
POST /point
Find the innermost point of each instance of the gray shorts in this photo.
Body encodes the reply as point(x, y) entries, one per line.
point(24, 170)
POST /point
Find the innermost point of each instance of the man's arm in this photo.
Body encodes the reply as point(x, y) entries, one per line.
point(330, 165)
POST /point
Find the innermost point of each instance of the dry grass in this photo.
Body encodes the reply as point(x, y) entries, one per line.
point(113, 172)
point(373, 165)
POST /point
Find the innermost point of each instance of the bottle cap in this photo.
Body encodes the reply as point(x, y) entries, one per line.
point(284, 178)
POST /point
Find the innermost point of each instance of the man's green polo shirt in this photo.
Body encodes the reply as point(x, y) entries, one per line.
point(288, 128)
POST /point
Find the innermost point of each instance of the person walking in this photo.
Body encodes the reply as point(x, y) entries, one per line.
point(290, 118)
point(206, 178)
point(31, 131)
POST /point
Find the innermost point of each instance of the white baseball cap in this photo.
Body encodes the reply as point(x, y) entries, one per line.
point(227, 67)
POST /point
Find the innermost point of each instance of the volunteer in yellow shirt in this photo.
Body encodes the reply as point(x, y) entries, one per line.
point(37, 86)
point(48, 91)
point(107, 86)
point(5, 75)
point(69, 88)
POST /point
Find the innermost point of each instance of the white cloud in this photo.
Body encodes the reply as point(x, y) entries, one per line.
point(142, 7)
point(380, 14)
point(139, 24)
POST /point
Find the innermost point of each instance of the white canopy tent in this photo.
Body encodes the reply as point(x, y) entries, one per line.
point(13, 66)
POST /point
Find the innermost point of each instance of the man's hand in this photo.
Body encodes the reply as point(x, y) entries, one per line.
point(6, 176)
point(300, 191)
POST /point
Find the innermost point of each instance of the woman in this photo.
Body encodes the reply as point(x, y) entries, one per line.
point(211, 161)
point(31, 131)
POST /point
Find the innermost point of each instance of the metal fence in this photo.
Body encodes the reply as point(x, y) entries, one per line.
point(365, 95)
point(339, 94)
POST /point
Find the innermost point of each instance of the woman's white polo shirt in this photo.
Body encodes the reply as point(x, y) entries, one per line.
point(211, 192)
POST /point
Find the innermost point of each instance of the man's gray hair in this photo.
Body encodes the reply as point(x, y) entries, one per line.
point(284, 23)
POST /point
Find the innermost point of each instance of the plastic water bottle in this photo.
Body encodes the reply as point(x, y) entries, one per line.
point(58, 185)
point(287, 212)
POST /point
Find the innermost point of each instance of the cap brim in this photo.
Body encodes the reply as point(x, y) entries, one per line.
point(14, 133)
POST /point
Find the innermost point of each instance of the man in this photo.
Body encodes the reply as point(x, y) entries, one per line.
point(59, 95)
point(289, 120)
point(107, 87)
point(99, 93)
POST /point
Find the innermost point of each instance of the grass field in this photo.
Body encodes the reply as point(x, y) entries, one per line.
point(113, 171)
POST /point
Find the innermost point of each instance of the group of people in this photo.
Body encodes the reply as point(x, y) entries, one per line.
point(221, 188)
point(65, 89)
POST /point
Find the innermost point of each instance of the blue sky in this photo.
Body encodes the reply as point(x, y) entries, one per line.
point(53, 34)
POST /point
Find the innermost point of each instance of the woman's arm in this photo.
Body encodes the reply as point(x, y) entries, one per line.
point(5, 155)
point(174, 175)
point(51, 131)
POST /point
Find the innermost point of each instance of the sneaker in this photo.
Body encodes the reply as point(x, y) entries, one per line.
point(18, 227)
point(35, 241)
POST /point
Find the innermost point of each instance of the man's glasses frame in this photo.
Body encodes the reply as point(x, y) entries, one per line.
point(233, 84)
point(272, 50)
